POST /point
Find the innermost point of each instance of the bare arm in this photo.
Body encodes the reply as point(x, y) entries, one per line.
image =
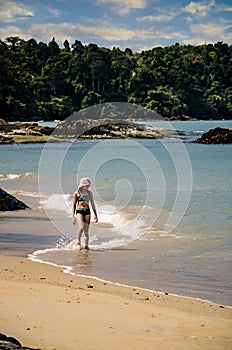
point(74, 208)
point(93, 206)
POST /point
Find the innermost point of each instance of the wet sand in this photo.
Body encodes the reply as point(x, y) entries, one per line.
point(46, 308)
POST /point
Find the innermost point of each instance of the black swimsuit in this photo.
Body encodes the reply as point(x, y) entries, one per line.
point(82, 211)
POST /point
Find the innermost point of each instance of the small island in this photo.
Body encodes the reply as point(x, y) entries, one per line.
point(215, 136)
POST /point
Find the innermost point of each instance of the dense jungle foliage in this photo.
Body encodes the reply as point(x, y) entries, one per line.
point(46, 81)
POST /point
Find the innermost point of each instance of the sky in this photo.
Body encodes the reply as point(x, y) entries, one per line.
point(135, 24)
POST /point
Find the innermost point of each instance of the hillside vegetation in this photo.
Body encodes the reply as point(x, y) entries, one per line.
point(46, 81)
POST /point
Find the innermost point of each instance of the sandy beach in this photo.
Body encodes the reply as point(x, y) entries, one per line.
point(46, 308)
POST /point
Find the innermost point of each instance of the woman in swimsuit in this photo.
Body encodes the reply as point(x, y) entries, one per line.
point(81, 210)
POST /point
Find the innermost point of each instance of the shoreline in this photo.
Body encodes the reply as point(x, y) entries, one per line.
point(42, 306)
point(26, 238)
point(95, 278)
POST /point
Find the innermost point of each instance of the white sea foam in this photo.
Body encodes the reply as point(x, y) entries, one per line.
point(113, 230)
point(16, 176)
point(27, 194)
point(109, 215)
point(56, 201)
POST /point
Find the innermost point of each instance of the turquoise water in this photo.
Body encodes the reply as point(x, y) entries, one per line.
point(165, 209)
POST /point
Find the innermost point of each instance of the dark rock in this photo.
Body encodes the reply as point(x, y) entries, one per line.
point(215, 136)
point(8, 131)
point(44, 130)
point(3, 337)
point(182, 118)
point(6, 140)
point(108, 129)
point(10, 343)
point(9, 202)
point(127, 130)
point(73, 128)
point(3, 122)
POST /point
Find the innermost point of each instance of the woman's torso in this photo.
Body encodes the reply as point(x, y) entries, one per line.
point(83, 199)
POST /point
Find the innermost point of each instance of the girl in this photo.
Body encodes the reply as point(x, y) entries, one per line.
point(81, 211)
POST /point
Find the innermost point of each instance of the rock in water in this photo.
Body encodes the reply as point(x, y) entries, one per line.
point(23, 133)
point(217, 135)
point(3, 122)
point(108, 129)
point(9, 202)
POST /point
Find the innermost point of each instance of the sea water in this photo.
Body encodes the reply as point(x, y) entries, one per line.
point(165, 209)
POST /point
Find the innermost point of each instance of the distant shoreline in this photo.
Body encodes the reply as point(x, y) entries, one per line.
point(45, 120)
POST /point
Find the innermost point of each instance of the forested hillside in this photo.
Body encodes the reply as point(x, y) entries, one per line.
point(46, 81)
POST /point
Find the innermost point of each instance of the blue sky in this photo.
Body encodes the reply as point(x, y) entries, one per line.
point(136, 24)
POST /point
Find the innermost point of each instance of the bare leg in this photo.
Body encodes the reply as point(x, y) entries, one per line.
point(86, 230)
point(81, 224)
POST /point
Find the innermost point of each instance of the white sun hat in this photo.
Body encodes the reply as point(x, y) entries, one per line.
point(84, 182)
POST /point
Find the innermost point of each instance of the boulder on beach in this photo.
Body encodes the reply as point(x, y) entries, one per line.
point(9, 202)
point(10, 343)
point(215, 136)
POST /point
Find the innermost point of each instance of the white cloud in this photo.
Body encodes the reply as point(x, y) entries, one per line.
point(123, 7)
point(12, 11)
point(156, 18)
point(71, 32)
point(212, 32)
point(223, 8)
point(54, 12)
point(189, 19)
point(96, 31)
point(139, 48)
point(199, 8)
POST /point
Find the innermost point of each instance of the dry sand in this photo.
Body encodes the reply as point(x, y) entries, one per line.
point(46, 308)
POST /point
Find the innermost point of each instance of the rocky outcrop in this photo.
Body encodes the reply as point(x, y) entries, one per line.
point(10, 343)
point(74, 127)
point(81, 128)
point(108, 129)
point(6, 139)
point(215, 136)
point(182, 118)
point(24, 132)
point(3, 122)
point(127, 130)
point(9, 202)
